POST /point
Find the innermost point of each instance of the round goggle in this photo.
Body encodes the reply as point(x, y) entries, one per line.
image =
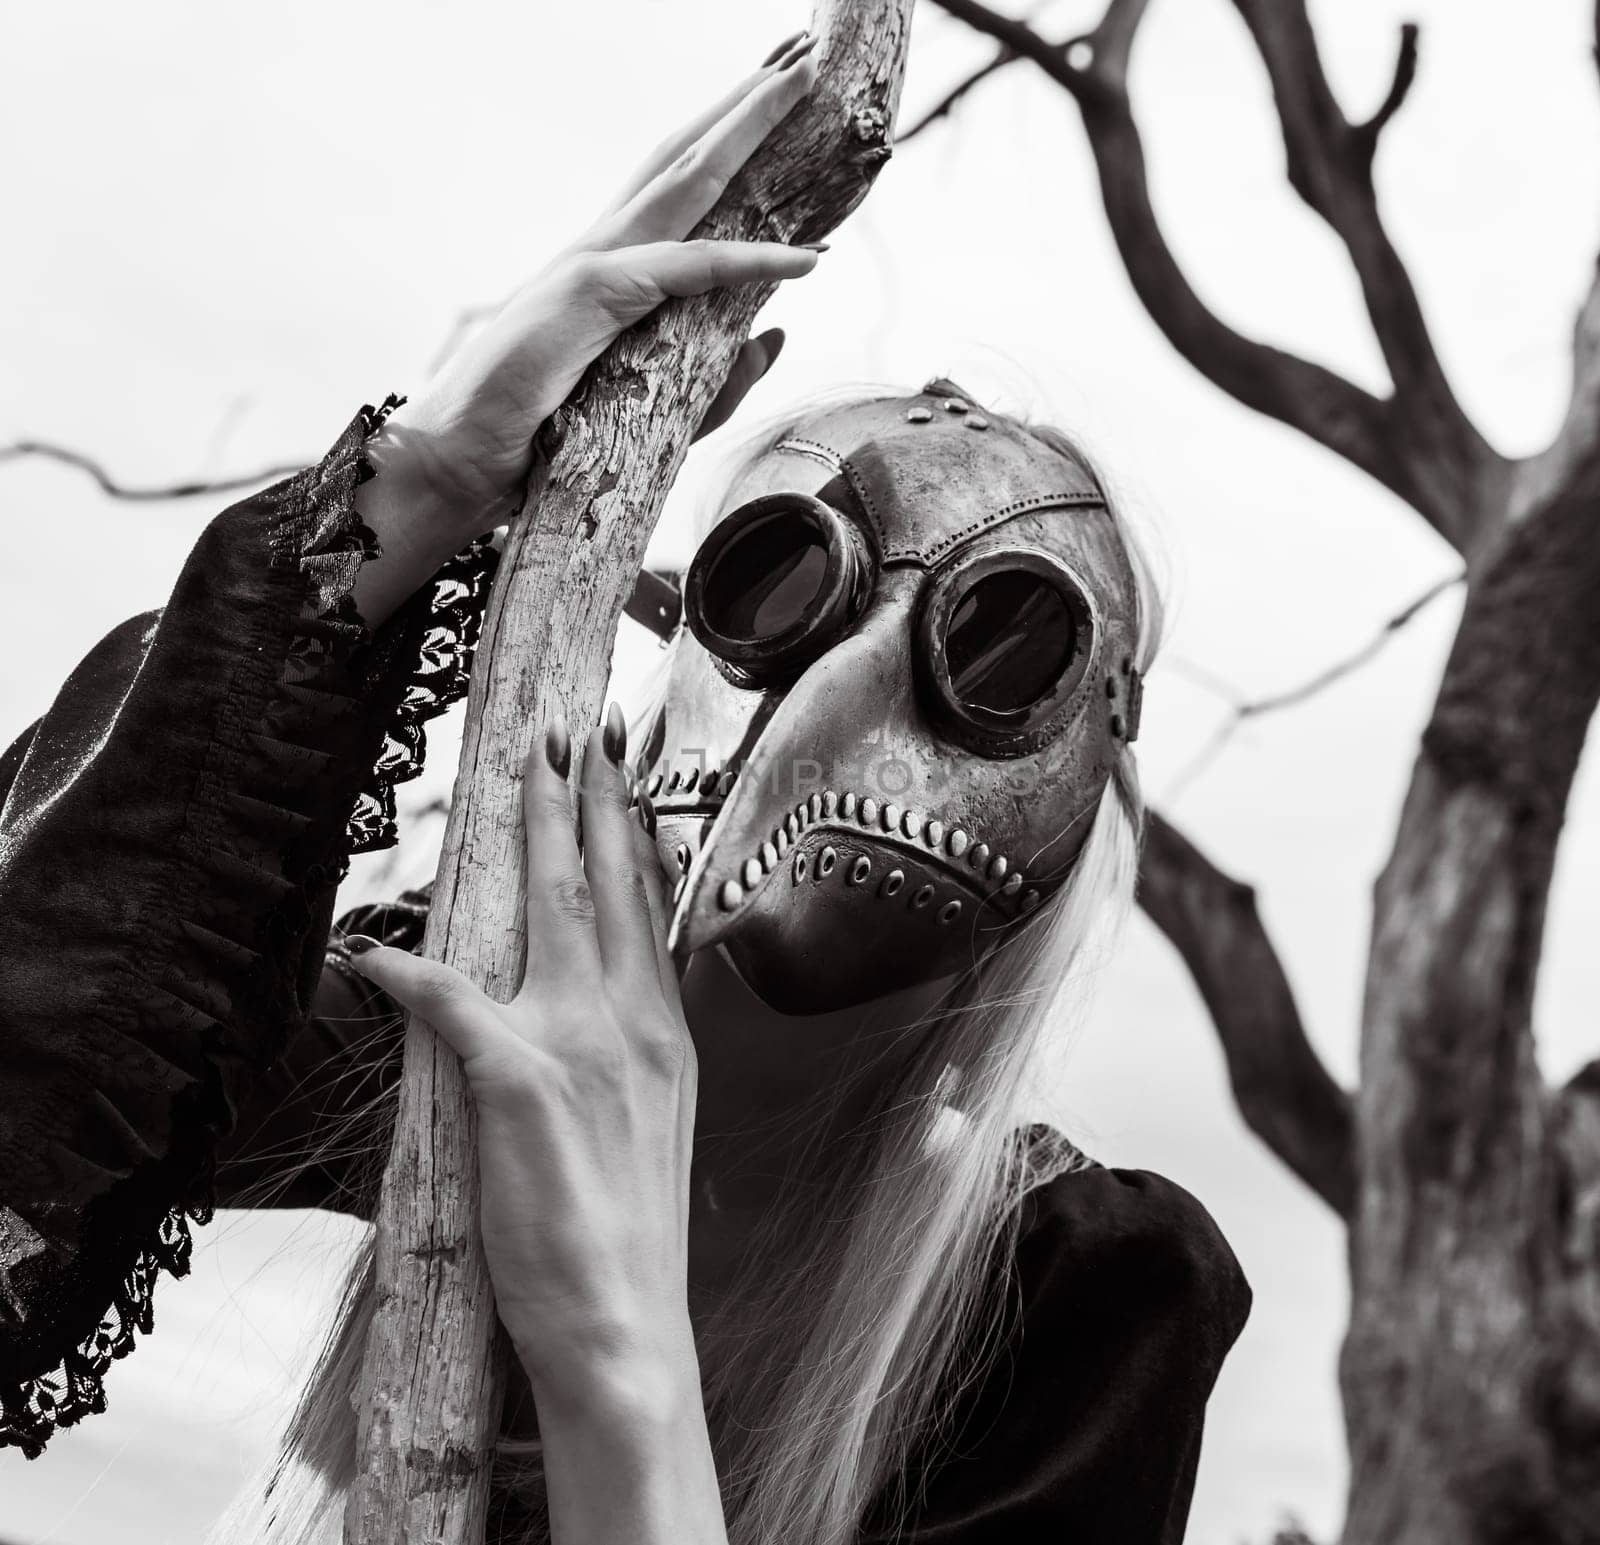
point(1004, 636)
point(776, 584)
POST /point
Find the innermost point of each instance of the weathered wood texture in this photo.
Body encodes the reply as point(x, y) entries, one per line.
point(1471, 1371)
point(433, 1376)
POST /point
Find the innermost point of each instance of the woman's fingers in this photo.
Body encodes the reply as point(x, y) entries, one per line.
point(673, 202)
point(561, 934)
point(638, 279)
point(648, 858)
point(463, 1014)
point(616, 879)
point(676, 144)
point(755, 358)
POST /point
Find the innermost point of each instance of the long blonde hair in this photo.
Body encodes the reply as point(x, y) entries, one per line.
point(894, 1252)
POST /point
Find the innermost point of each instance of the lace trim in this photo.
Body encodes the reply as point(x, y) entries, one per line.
point(75, 1387)
point(439, 679)
point(329, 632)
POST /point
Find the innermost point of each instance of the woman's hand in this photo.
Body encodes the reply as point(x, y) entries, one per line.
point(584, 1085)
point(470, 430)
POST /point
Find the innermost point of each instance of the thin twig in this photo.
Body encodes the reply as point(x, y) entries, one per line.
point(113, 488)
point(1254, 708)
point(117, 490)
point(942, 109)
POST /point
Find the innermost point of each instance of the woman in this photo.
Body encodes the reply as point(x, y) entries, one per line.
point(778, 1261)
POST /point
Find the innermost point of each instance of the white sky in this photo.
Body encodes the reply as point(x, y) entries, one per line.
point(229, 226)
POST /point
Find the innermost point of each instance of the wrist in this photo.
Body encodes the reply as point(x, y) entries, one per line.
point(645, 1382)
point(411, 472)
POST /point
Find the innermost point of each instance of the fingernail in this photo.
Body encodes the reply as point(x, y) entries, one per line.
point(615, 740)
point(783, 48)
point(360, 943)
point(558, 746)
point(797, 53)
point(811, 246)
point(647, 813)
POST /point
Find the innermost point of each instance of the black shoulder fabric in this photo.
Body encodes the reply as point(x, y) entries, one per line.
point(171, 834)
point(1124, 1301)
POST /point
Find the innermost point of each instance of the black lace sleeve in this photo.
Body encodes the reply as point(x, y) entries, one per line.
point(171, 835)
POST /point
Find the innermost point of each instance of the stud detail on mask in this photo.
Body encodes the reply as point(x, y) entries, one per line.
point(998, 867)
point(769, 857)
point(891, 817)
point(1030, 899)
point(869, 811)
point(654, 786)
point(860, 870)
point(977, 421)
point(979, 858)
point(752, 873)
point(731, 894)
point(800, 867)
point(847, 807)
point(956, 405)
point(910, 823)
point(682, 855)
point(725, 787)
point(826, 861)
point(950, 911)
point(830, 803)
point(892, 882)
point(922, 898)
point(918, 415)
point(933, 833)
point(958, 842)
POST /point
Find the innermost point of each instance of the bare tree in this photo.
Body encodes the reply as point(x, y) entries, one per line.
point(1471, 1367)
point(428, 1422)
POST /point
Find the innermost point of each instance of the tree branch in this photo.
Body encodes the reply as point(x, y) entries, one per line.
point(1572, 459)
point(1329, 164)
point(1286, 1096)
point(432, 1374)
point(1365, 138)
point(119, 490)
point(942, 108)
point(1426, 452)
point(1254, 708)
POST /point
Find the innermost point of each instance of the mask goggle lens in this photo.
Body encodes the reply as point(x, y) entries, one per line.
point(1005, 640)
point(776, 583)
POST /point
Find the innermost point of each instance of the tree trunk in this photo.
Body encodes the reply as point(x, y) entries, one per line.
point(432, 1380)
point(1471, 1372)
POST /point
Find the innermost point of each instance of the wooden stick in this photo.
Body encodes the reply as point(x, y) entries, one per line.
point(432, 1381)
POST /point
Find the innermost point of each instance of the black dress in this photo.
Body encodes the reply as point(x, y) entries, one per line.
point(175, 1029)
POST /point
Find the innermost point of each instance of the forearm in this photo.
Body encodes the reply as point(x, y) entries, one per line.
point(627, 1456)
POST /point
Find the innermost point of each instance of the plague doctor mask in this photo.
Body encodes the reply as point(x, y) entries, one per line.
point(909, 666)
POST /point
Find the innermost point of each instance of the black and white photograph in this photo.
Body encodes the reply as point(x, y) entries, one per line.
point(800, 772)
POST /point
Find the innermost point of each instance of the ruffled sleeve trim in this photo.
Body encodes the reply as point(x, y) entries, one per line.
point(223, 762)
